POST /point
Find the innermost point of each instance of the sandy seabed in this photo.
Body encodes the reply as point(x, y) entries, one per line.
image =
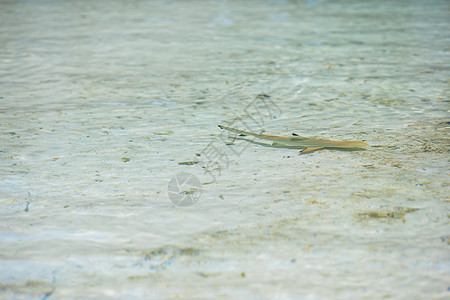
point(103, 104)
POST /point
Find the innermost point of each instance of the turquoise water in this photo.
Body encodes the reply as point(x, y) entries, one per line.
point(100, 102)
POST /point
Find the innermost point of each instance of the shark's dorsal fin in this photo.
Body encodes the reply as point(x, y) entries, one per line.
point(297, 137)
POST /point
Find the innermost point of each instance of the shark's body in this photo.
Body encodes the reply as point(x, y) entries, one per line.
point(301, 142)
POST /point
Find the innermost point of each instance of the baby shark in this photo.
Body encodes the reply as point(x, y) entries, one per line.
point(310, 145)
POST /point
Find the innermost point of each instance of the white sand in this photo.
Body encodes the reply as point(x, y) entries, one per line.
point(101, 101)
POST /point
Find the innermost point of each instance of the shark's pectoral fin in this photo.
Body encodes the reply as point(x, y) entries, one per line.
point(310, 149)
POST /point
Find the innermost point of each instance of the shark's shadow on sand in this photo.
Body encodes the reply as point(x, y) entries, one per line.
point(275, 145)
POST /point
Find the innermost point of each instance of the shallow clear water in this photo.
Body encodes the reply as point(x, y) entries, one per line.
point(101, 101)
